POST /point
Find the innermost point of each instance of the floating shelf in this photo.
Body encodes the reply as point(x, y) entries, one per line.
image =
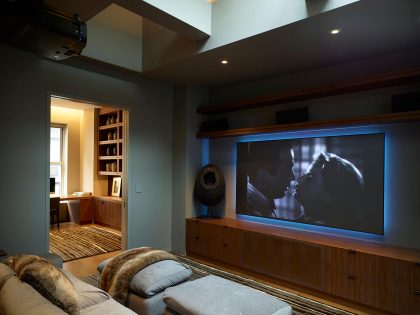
point(318, 124)
point(112, 126)
point(110, 142)
point(351, 86)
point(110, 157)
point(110, 173)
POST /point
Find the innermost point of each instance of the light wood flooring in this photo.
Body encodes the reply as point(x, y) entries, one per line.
point(85, 266)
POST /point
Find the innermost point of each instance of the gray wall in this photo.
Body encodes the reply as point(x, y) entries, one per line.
point(26, 81)
point(187, 159)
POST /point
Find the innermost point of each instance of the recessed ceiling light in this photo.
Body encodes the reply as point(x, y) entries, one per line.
point(224, 62)
point(335, 31)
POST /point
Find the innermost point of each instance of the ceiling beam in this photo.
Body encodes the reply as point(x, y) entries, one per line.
point(84, 9)
point(167, 16)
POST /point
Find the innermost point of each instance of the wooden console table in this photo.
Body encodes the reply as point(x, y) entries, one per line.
point(377, 275)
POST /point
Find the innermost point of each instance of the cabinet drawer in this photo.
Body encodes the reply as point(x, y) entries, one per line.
point(341, 284)
point(341, 260)
point(387, 296)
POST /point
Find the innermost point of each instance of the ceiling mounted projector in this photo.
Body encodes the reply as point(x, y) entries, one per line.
point(36, 27)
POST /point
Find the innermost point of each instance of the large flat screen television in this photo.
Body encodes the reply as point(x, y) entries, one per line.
point(333, 181)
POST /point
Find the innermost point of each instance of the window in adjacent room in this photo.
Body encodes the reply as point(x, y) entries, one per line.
point(57, 167)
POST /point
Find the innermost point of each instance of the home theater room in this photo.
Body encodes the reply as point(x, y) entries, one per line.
point(231, 157)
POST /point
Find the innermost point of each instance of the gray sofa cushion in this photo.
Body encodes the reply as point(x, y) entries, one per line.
point(156, 277)
point(214, 295)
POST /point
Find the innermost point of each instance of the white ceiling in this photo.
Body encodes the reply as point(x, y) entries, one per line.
point(121, 19)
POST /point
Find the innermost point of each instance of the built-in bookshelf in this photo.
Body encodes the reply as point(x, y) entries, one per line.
point(110, 142)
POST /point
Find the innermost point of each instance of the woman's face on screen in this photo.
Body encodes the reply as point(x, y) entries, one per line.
point(310, 188)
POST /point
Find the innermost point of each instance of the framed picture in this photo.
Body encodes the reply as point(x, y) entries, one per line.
point(116, 186)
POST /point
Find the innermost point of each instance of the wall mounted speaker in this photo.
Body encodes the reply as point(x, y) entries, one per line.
point(290, 116)
point(405, 102)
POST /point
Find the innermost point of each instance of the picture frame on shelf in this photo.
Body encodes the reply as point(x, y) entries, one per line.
point(116, 187)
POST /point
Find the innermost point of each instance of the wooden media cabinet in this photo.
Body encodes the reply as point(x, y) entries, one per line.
point(373, 274)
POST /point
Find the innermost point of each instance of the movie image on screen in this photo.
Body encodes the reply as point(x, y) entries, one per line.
point(334, 181)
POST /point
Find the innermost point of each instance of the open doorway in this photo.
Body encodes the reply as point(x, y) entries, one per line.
point(88, 170)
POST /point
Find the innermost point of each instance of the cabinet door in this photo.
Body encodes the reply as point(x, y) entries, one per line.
point(301, 263)
point(210, 240)
point(385, 283)
point(204, 239)
point(104, 213)
point(117, 215)
point(192, 236)
point(341, 284)
point(261, 253)
point(86, 211)
point(230, 245)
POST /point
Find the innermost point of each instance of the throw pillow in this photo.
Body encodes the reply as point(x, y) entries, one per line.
point(156, 277)
point(48, 280)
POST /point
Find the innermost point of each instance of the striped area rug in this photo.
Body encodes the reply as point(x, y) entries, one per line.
point(83, 241)
point(300, 305)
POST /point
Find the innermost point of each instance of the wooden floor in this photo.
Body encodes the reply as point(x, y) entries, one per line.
point(85, 266)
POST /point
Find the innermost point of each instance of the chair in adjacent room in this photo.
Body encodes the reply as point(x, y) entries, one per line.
point(55, 211)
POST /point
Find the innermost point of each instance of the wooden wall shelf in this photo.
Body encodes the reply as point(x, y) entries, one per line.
point(109, 142)
point(318, 124)
point(110, 173)
point(351, 86)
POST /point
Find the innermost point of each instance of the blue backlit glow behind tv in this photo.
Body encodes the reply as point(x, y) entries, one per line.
point(332, 181)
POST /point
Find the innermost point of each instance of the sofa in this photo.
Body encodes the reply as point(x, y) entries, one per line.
point(145, 295)
point(19, 297)
point(165, 287)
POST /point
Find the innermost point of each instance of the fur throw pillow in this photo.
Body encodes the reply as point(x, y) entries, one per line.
point(48, 280)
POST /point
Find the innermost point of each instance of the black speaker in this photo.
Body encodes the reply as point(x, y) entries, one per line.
point(214, 125)
point(405, 102)
point(290, 116)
